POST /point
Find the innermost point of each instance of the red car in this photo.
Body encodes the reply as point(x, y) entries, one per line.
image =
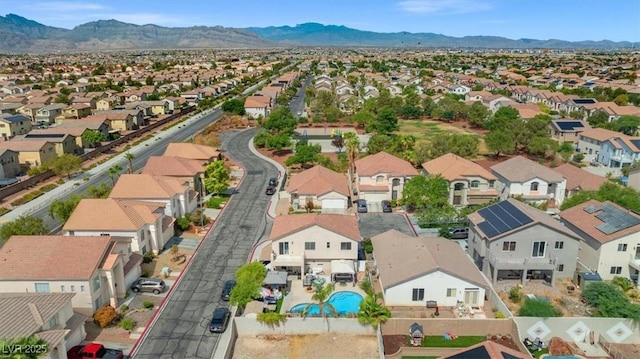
point(93, 351)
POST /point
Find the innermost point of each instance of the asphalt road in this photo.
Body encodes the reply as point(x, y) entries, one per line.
point(297, 103)
point(180, 330)
point(372, 224)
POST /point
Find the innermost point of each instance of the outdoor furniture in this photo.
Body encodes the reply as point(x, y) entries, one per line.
point(416, 332)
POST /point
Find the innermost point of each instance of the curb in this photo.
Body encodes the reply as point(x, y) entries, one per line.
point(406, 217)
point(253, 250)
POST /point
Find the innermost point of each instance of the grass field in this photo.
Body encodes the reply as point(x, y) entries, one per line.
point(438, 341)
point(428, 129)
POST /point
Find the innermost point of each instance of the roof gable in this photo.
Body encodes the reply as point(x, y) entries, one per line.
point(520, 169)
point(383, 162)
point(110, 214)
point(343, 225)
point(453, 167)
point(147, 186)
point(318, 181)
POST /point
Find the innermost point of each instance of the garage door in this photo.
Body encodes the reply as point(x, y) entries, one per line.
point(332, 205)
point(374, 196)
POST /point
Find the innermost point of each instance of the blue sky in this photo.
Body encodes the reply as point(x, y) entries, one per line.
point(538, 19)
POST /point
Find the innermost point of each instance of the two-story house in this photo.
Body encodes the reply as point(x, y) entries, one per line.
point(620, 151)
point(98, 269)
point(521, 177)
point(512, 240)
point(108, 103)
point(323, 187)
point(590, 142)
point(31, 153)
point(469, 183)
point(178, 198)
point(312, 242)
point(63, 142)
point(47, 114)
point(9, 163)
point(382, 177)
point(77, 111)
point(180, 168)
point(567, 130)
point(144, 222)
point(13, 125)
point(49, 316)
point(414, 270)
point(257, 106)
point(610, 243)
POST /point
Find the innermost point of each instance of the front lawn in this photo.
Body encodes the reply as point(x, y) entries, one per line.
point(215, 201)
point(438, 341)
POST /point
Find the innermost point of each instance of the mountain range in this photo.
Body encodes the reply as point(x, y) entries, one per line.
point(20, 35)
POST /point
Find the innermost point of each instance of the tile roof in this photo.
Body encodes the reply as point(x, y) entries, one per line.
point(383, 162)
point(401, 258)
point(577, 178)
point(318, 181)
point(586, 223)
point(173, 166)
point(453, 167)
point(257, 101)
point(521, 169)
point(72, 257)
point(24, 145)
point(98, 214)
point(343, 225)
point(24, 314)
point(191, 151)
point(148, 187)
point(600, 134)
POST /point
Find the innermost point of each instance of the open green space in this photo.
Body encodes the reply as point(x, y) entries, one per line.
point(438, 341)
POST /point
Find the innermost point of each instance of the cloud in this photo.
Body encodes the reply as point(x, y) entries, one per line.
point(443, 6)
point(64, 6)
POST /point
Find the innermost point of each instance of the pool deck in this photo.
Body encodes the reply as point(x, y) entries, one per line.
point(298, 293)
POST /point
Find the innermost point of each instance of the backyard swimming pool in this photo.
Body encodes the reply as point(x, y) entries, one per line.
point(343, 302)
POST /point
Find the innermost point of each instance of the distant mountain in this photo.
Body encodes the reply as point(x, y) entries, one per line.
point(313, 34)
point(20, 35)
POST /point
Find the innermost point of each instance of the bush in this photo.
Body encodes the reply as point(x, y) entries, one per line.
point(500, 315)
point(145, 274)
point(148, 257)
point(368, 246)
point(516, 294)
point(48, 187)
point(183, 223)
point(538, 308)
point(4, 211)
point(147, 304)
point(104, 316)
point(124, 308)
point(127, 324)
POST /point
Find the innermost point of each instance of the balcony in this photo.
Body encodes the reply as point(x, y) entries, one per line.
point(634, 260)
point(522, 263)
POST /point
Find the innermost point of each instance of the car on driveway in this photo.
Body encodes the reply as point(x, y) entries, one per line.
point(458, 233)
point(226, 291)
point(151, 285)
point(386, 206)
point(270, 190)
point(361, 204)
point(219, 320)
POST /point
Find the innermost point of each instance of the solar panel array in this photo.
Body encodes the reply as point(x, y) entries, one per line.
point(500, 218)
point(583, 101)
point(636, 143)
point(44, 135)
point(569, 125)
point(614, 219)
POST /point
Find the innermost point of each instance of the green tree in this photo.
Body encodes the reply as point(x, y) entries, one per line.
point(280, 120)
point(23, 225)
point(566, 150)
point(249, 278)
point(626, 197)
point(502, 118)
point(65, 164)
point(216, 178)
point(378, 143)
point(598, 119)
point(93, 137)
point(322, 292)
point(305, 154)
point(478, 114)
point(426, 192)
point(278, 141)
point(625, 284)
point(61, 209)
point(38, 348)
point(542, 147)
point(460, 144)
point(386, 122)
point(129, 156)
point(234, 106)
point(373, 312)
point(102, 190)
point(627, 124)
point(538, 308)
point(352, 143)
point(114, 172)
point(498, 141)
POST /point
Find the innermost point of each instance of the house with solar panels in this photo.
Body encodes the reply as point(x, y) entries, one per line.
point(567, 130)
point(610, 239)
point(512, 240)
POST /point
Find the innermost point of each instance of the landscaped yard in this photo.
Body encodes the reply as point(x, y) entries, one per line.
point(215, 201)
point(428, 129)
point(438, 341)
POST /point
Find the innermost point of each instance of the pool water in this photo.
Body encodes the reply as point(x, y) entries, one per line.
point(343, 302)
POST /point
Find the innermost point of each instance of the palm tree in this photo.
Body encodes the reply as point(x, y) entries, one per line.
point(129, 156)
point(114, 172)
point(352, 143)
point(372, 311)
point(322, 293)
point(623, 283)
point(37, 346)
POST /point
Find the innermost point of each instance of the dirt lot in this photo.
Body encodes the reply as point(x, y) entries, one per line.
point(327, 346)
point(560, 297)
point(165, 260)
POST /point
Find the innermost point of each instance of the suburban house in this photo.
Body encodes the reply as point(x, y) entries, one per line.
point(49, 316)
point(31, 153)
point(519, 176)
point(590, 142)
point(610, 243)
point(9, 164)
point(144, 222)
point(567, 130)
point(311, 242)
point(176, 195)
point(323, 187)
point(47, 114)
point(414, 270)
point(620, 151)
point(107, 103)
point(77, 111)
point(77, 128)
point(62, 142)
point(469, 183)
point(382, 177)
point(178, 167)
point(512, 240)
point(12, 125)
point(193, 151)
point(579, 179)
point(256, 106)
point(97, 269)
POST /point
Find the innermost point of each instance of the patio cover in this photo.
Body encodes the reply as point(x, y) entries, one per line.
point(342, 266)
point(285, 260)
point(276, 278)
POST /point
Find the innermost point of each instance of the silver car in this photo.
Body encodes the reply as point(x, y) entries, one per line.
point(152, 285)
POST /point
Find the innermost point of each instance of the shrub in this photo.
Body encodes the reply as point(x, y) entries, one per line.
point(48, 187)
point(148, 257)
point(127, 324)
point(368, 246)
point(145, 274)
point(538, 308)
point(516, 294)
point(183, 223)
point(104, 316)
point(124, 308)
point(147, 304)
point(500, 315)
point(4, 211)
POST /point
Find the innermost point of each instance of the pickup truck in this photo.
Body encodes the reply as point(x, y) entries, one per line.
point(94, 351)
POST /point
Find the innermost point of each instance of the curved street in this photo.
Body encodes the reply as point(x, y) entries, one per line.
point(180, 329)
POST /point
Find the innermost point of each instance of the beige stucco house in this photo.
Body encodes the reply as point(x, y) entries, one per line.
point(323, 187)
point(382, 177)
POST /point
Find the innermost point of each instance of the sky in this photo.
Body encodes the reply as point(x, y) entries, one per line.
point(572, 20)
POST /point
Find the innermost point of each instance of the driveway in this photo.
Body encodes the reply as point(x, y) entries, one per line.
point(372, 224)
point(180, 330)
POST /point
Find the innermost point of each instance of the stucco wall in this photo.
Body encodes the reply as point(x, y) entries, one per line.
point(250, 326)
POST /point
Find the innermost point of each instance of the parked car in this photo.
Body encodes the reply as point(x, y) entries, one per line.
point(226, 291)
point(362, 206)
point(152, 285)
point(458, 233)
point(93, 351)
point(270, 190)
point(273, 181)
point(386, 206)
point(219, 320)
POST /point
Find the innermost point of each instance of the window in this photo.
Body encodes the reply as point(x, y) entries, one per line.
point(616, 270)
point(474, 184)
point(82, 288)
point(492, 183)
point(310, 246)
point(328, 244)
point(509, 246)
point(283, 247)
point(418, 294)
point(73, 288)
point(379, 179)
point(53, 322)
point(96, 283)
point(345, 246)
point(62, 288)
point(559, 244)
point(622, 247)
point(42, 288)
point(534, 186)
point(458, 186)
point(560, 267)
point(451, 292)
point(538, 249)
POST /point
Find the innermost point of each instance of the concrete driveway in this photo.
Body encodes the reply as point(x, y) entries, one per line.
point(372, 224)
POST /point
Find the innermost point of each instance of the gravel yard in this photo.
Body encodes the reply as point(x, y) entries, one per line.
point(322, 346)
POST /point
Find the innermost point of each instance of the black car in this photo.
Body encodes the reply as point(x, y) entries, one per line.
point(273, 181)
point(270, 190)
point(226, 291)
point(219, 320)
point(386, 206)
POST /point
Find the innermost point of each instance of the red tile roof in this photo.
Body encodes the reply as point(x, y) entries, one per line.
point(318, 181)
point(577, 178)
point(383, 162)
point(343, 225)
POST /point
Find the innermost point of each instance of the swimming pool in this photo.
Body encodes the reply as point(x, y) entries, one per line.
point(343, 302)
